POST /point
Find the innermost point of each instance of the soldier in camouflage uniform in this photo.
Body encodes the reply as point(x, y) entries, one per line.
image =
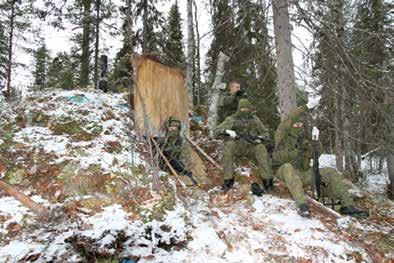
point(246, 133)
point(228, 101)
point(173, 147)
point(292, 155)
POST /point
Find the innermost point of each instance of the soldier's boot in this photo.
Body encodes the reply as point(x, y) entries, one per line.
point(228, 184)
point(303, 210)
point(256, 189)
point(352, 211)
point(268, 184)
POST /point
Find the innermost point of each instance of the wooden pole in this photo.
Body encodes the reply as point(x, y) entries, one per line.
point(42, 212)
point(201, 151)
point(167, 162)
point(322, 207)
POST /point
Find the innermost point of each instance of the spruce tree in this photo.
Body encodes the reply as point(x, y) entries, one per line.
point(61, 72)
point(223, 37)
point(149, 37)
point(122, 68)
point(15, 19)
point(41, 58)
point(247, 42)
point(173, 51)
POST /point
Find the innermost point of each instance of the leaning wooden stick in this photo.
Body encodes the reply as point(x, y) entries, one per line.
point(320, 206)
point(41, 211)
point(167, 162)
point(201, 151)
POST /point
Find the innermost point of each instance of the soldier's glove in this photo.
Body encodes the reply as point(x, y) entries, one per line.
point(231, 133)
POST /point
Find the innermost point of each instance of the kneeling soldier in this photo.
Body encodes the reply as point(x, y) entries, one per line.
point(247, 134)
point(292, 155)
point(174, 149)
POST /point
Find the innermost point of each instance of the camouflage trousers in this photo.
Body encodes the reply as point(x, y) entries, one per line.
point(333, 183)
point(240, 148)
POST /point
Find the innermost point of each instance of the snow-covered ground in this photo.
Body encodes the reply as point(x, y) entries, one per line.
point(267, 230)
point(196, 228)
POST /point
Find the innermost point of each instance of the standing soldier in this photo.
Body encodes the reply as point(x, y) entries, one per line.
point(174, 149)
point(228, 101)
point(246, 134)
point(292, 155)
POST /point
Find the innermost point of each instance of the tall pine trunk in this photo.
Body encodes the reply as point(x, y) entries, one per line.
point(190, 53)
point(285, 68)
point(10, 44)
point(129, 24)
point(97, 44)
point(85, 57)
point(145, 28)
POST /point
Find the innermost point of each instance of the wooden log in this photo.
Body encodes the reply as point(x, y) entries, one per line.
point(42, 212)
point(201, 151)
point(167, 162)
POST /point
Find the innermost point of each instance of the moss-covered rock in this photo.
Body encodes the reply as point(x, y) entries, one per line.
point(79, 181)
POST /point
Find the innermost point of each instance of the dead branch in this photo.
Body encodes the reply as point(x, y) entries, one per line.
point(167, 162)
point(201, 151)
point(42, 212)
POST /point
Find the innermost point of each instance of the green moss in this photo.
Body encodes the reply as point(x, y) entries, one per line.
point(68, 127)
point(15, 177)
point(95, 129)
point(39, 118)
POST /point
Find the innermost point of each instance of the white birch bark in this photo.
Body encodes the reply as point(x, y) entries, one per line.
point(190, 52)
point(213, 106)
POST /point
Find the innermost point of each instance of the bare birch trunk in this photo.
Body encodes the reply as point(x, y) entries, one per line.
point(285, 65)
point(198, 86)
point(213, 106)
point(190, 52)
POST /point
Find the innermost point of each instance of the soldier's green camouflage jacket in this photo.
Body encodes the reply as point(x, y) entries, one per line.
point(292, 157)
point(244, 124)
point(177, 149)
point(228, 104)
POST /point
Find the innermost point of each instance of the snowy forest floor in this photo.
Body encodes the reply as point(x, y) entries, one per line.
point(74, 151)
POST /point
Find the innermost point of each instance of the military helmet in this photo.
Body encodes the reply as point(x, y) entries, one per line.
point(173, 122)
point(244, 103)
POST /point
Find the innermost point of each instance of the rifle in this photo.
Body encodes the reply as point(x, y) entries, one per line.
point(179, 166)
point(316, 173)
point(250, 138)
point(175, 163)
point(315, 167)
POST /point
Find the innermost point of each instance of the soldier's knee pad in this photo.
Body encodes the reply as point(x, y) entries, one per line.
point(287, 167)
point(261, 148)
point(286, 171)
